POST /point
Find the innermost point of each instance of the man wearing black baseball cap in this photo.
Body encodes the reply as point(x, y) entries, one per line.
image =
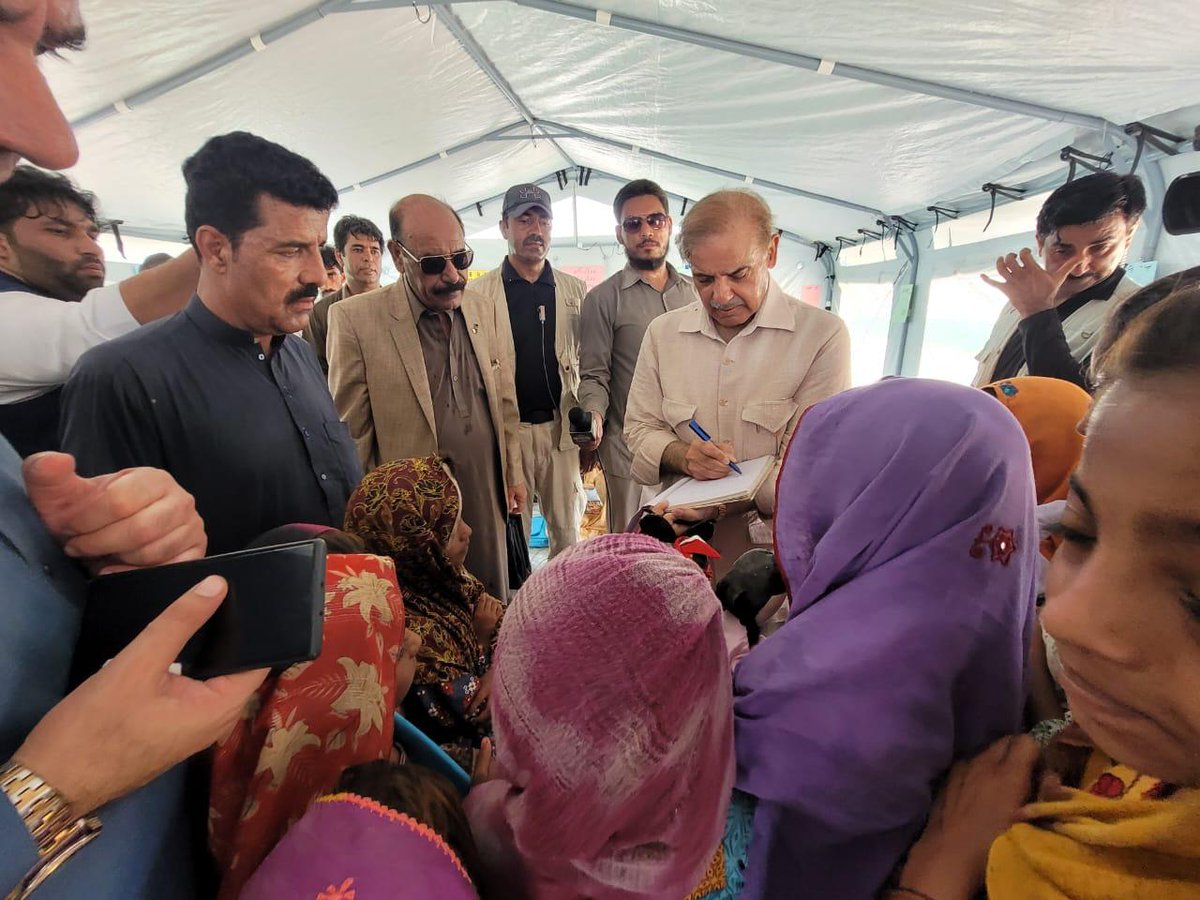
point(537, 310)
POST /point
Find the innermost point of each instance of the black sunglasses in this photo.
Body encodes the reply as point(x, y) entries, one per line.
point(436, 265)
point(633, 224)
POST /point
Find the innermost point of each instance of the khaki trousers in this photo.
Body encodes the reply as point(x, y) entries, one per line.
point(552, 475)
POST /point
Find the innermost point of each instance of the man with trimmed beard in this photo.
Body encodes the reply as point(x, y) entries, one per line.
point(223, 395)
point(615, 317)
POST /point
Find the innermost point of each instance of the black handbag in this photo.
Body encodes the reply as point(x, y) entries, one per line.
point(519, 565)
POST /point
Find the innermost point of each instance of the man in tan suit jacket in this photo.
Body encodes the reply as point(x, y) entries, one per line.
point(537, 317)
point(417, 368)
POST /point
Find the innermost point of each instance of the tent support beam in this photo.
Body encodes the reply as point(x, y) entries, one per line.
point(433, 157)
point(246, 47)
point(471, 47)
point(712, 170)
point(830, 67)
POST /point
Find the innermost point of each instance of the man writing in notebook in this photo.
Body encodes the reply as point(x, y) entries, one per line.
point(742, 363)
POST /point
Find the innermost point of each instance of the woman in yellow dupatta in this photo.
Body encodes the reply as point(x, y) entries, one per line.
point(1123, 604)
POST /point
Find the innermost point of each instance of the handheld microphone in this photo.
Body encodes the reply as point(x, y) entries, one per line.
point(582, 425)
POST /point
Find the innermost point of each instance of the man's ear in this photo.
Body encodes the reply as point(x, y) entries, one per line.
point(214, 249)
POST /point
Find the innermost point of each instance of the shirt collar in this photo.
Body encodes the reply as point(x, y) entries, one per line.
point(219, 330)
point(13, 284)
point(774, 313)
point(631, 276)
point(508, 273)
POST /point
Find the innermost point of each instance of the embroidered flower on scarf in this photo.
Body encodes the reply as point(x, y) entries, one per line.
point(998, 544)
point(369, 593)
point(1110, 786)
point(345, 892)
point(363, 695)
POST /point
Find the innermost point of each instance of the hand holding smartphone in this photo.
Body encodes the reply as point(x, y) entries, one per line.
point(272, 616)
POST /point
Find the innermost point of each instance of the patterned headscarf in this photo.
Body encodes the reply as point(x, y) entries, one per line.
point(408, 510)
point(905, 531)
point(1048, 411)
point(305, 727)
point(614, 734)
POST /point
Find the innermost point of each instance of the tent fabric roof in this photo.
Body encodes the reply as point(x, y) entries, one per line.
point(381, 84)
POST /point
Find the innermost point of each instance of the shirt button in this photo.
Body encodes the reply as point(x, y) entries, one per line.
point(324, 477)
point(729, 362)
point(454, 378)
point(304, 431)
point(262, 356)
point(724, 402)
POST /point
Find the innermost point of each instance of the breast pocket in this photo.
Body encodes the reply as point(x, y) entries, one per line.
point(769, 420)
point(677, 414)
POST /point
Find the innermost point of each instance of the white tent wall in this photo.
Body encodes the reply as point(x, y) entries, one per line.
point(840, 116)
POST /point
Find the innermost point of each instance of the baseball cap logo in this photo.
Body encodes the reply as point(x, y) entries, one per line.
point(529, 193)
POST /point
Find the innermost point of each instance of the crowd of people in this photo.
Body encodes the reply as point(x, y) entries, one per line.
point(949, 645)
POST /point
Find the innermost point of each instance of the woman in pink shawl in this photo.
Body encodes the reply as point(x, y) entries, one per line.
point(612, 713)
point(905, 531)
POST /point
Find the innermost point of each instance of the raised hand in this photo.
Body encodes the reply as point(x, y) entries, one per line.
point(1029, 288)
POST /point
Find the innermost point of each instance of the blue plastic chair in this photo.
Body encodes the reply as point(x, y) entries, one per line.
point(421, 750)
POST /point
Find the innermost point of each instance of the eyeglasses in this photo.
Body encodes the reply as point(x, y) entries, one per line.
point(436, 265)
point(633, 224)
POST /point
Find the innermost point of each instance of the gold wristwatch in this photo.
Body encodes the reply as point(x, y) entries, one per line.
point(47, 815)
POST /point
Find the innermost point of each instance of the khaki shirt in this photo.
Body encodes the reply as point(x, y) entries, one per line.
point(616, 314)
point(751, 391)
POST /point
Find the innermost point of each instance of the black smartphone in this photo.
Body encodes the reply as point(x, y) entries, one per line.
point(272, 616)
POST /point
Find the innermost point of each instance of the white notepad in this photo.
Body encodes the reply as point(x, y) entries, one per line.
point(733, 488)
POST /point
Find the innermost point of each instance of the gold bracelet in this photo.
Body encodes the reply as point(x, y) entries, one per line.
point(47, 815)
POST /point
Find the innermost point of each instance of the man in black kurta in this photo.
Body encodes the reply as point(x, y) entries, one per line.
point(253, 437)
point(223, 395)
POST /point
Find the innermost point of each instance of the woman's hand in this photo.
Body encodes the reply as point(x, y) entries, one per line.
point(482, 772)
point(480, 709)
point(981, 800)
point(488, 612)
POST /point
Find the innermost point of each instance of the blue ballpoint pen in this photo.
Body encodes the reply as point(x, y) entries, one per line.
point(704, 436)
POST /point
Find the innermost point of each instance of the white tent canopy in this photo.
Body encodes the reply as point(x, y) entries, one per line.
point(841, 115)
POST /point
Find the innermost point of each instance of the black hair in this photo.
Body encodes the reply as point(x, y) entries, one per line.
point(358, 226)
point(1090, 199)
point(1130, 309)
point(329, 258)
point(1162, 341)
point(226, 177)
point(642, 187)
point(29, 191)
point(423, 794)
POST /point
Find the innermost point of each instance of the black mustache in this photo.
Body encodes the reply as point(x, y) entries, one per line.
point(455, 288)
point(307, 292)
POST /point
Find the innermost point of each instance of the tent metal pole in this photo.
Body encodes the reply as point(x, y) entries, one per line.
point(830, 67)
point(433, 157)
point(471, 47)
point(218, 60)
point(713, 170)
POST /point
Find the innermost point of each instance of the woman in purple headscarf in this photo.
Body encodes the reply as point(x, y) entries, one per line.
point(905, 530)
